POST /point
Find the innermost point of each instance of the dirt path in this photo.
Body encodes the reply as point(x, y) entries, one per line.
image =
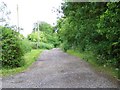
point(56, 69)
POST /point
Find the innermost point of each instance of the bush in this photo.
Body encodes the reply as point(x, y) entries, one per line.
point(42, 45)
point(26, 45)
point(65, 46)
point(45, 45)
point(12, 49)
point(33, 45)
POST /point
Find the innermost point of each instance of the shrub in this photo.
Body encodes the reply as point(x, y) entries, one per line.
point(12, 49)
point(41, 45)
point(45, 45)
point(33, 45)
point(65, 46)
point(26, 45)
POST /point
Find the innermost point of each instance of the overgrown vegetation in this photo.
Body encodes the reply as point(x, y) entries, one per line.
point(29, 58)
point(44, 37)
point(91, 26)
point(13, 48)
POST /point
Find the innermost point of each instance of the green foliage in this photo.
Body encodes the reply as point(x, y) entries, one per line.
point(108, 26)
point(29, 58)
point(41, 45)
point(45, 45)
point(12, 49)
point(46, 37)
point(43, 26)
point(65, 46)
point(34, 37)
point(92, 27)
point(34, 45)
point(26, 46)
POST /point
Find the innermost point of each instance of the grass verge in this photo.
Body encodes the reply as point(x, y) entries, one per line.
point(29, 57)
point(89, 57)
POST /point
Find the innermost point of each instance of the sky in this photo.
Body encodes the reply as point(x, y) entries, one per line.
point(31, 11)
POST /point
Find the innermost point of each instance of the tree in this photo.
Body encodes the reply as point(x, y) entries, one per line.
point(43, 26)
point(92, 26)
point(46, 34)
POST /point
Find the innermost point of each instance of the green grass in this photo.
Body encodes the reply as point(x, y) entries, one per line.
point(29, 57)
point(90, 58)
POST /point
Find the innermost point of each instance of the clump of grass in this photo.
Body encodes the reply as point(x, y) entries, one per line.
point(29, 57)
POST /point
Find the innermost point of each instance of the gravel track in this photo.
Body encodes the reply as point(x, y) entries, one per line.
point(56, 69)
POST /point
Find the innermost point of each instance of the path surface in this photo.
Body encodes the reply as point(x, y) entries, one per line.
point(56, 69)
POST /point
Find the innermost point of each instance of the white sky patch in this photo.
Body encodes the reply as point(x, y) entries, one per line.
point(31, 11)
